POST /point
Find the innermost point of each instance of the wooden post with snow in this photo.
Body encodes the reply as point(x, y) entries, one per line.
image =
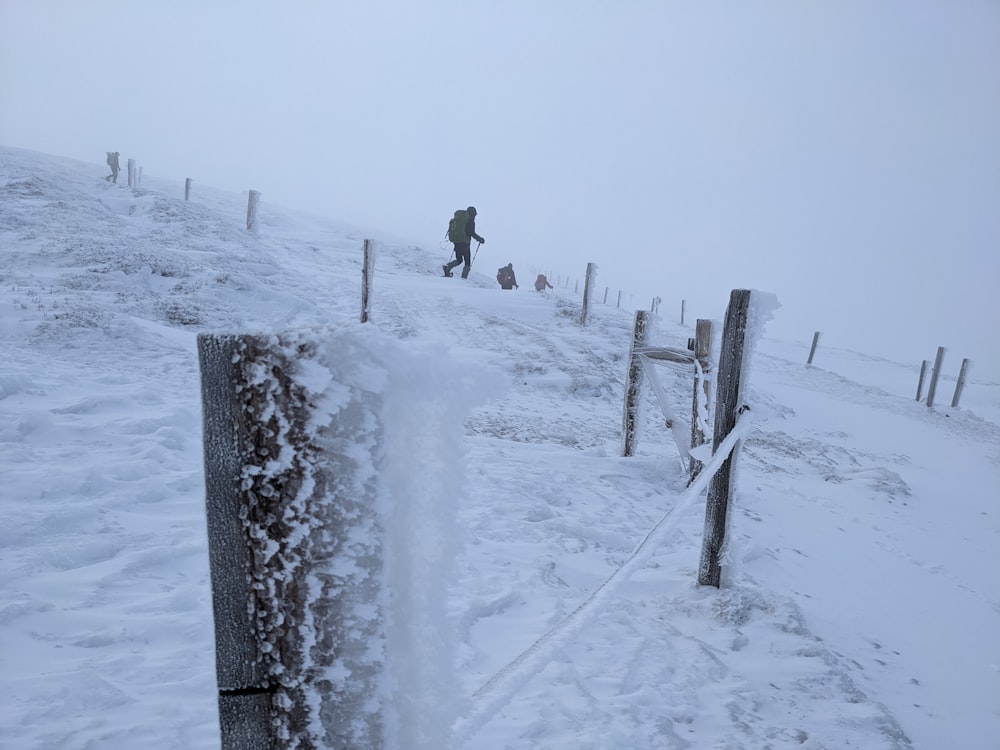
point(138, 180)
point(920, 381)
point(252, 202)
point(935, 374)
point(295, 551)
point(960, 385)
point(187, 189)
point(702, 400)
point(812, 350)
point(367, 273)
point(588, 285)
point(683, 303)
point(131, 172)
point(619, 300)
point(729, 387)
point(606, 294)
point(633, 381)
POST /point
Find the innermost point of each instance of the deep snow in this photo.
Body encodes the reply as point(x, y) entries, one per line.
point(861, 601)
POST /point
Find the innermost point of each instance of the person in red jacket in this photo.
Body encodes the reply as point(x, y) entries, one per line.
point(541, 283)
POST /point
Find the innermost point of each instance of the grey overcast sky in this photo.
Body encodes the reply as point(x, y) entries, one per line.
point(842, 154)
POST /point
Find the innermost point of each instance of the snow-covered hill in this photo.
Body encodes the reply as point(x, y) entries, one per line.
point(861, 601)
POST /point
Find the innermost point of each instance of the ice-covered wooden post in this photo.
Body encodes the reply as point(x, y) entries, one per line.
point(295, 546)
point(935, 373)
point(920, 381)
point(252, 203)
point(606, 295)
point(187, 189)
point(138, 179)
point(131, 172)
point(683, 304)
point(812, 349)
point(619, 300)
point(587, 287)
point(633, 381)
point(729, 387)
point(702, 400)
point(367, 272)
point(961, 383)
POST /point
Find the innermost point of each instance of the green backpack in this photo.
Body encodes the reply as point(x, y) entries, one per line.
point(456, 227)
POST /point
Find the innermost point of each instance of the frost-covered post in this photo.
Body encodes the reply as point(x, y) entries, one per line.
point(935, 373)
point(187, 189)
point(729, 387)
point(920, 381)
point(367, 272)
point(131, 172)
point(606, 294)
point(702, 400)
point(812, 350)
point(295, 543)
point(633, 381)
point(961, 383)
point(252, 203)
point(138, 179)
point(587, 286)
point(683, 304)
point(619, 299)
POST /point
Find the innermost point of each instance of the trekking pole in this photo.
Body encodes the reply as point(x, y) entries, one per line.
point(475, 253)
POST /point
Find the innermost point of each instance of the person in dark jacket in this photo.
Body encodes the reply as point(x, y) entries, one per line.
point(461, 232)
point(115, 167)
point(506, 278)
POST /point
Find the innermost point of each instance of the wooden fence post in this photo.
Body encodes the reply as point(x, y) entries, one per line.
point(961, 383)
point(295, 551)
point(252, 202)
point(920, 382)
point(728, 396)
point(633, 381)
point(935, 373)
point(587, 286)
point(367, 272)
point(187, 189)
point(683, 303)
point(702, 400)
point(812, 350)
point(619, 300)
point(606, 295)
point(131, 172)
point(138, 179)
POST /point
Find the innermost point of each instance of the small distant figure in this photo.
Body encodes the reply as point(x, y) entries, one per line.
point(506, 278)
point(542, 283)
point(461, 232)
point(115, 167)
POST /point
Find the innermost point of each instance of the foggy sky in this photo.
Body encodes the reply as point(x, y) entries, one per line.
point(842, 154)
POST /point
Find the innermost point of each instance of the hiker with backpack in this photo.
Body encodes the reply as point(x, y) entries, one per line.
point(506, 278)
point(461, 232)
point(112, 162)
point(541, 283)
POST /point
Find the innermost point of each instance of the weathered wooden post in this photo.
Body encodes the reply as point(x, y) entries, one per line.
point(367, 274)
point(187, 189)
point(138, 179)
point(131, 172)
point(606, 295)
point(683, 303)
point(702, 400)
point(920, 381)
point(728, 397)
point(935, 373)
point(576, 287)
point(812, 350)
point(252, 202)
point(961, 383)
point(295, 545)
point(619, 300)
point(633, 381)
point(587, 286)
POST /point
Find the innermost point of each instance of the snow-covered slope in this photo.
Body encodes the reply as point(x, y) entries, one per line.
point(861, 601)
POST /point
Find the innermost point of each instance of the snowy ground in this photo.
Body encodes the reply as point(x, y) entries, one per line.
point(861, 602)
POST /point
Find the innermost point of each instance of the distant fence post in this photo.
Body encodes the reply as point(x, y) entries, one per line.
point(576, 287)
point(702, 400)
point(654, 306)
point(367, 272)
point(633, 380)
point(131, 172)
point(187, 189)
point(935, 373)
point(139, 177)
point(961, 383)
point(587, 286)
point(606, 295)
point(295, 549)
point(683, 303)
point(252, 203)
point(729, 394)
point(812, 350)
point(920, 382)
point(619, 300)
